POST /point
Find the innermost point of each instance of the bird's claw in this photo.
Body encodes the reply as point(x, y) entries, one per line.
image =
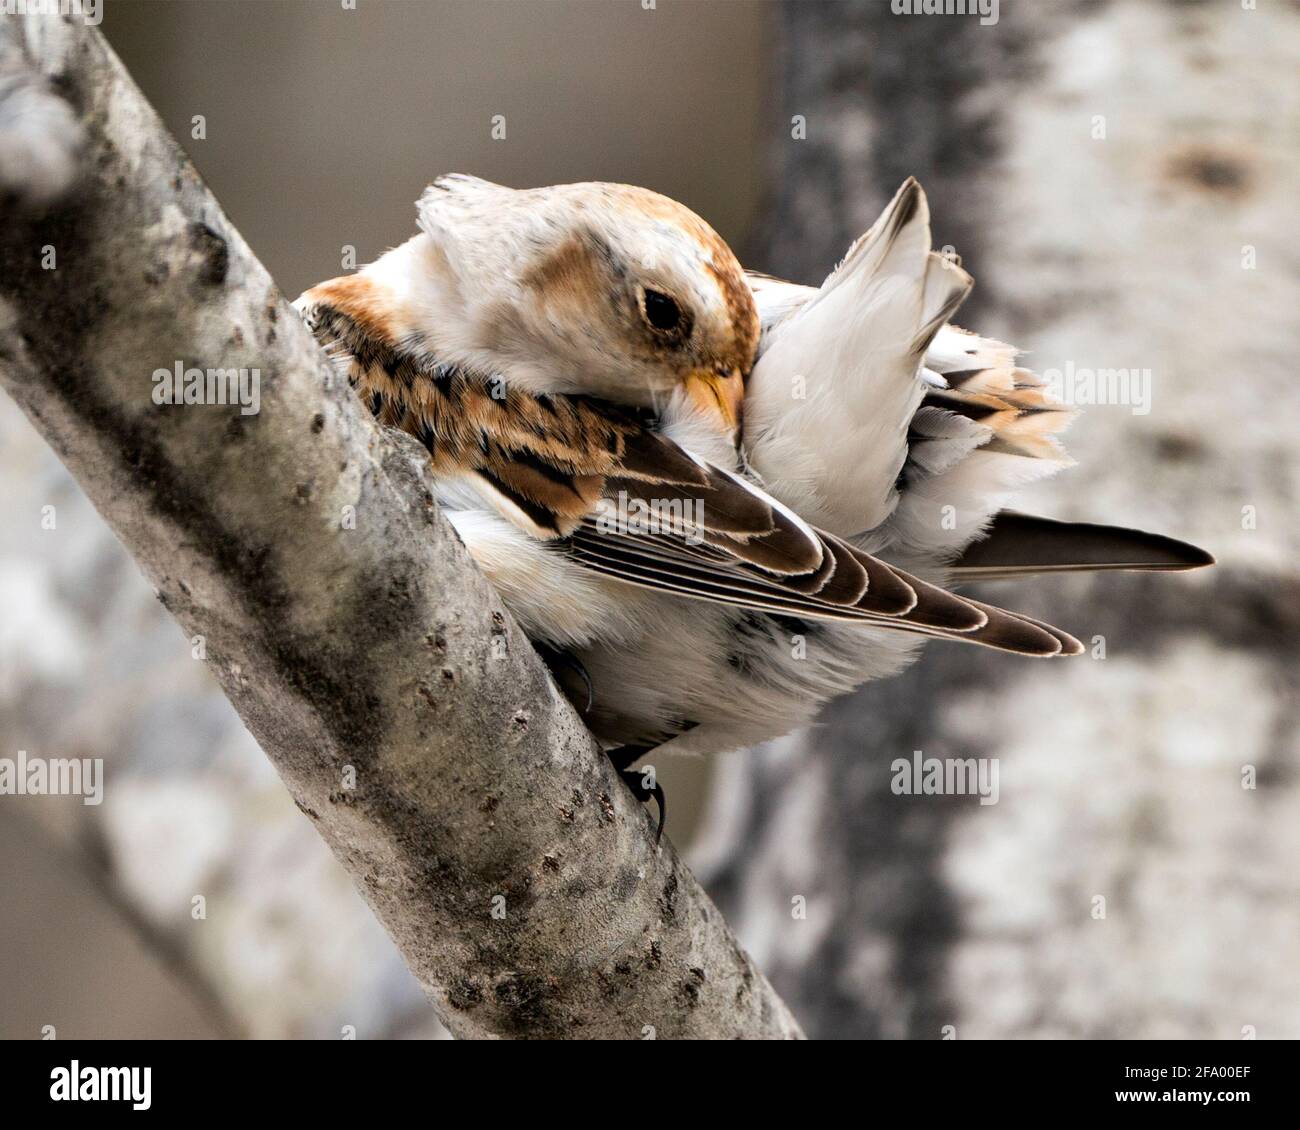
point(635, 779)
point(623, 758)
point(559, 660)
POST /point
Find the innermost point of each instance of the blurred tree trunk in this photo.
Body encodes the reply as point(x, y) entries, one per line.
point(1112, 176)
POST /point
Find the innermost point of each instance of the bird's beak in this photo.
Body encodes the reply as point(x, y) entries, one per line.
point(718, 391)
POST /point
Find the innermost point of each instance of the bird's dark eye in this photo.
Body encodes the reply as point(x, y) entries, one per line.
point(661, 311)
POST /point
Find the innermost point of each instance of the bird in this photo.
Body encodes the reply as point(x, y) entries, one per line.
point(713, 499)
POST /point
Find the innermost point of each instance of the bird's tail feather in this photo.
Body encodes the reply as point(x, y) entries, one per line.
point(1021, 545)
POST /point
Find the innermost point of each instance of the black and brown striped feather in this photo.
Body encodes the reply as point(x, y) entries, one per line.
point(562, 464)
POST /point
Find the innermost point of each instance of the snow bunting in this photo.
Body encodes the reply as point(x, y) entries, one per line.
point(705, 537)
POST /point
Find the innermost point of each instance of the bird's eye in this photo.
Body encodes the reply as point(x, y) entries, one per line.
point(661, 311)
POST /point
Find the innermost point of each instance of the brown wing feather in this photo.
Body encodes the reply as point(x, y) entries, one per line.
point(567, 468)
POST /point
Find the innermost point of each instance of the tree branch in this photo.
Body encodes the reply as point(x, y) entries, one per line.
point(355, 641)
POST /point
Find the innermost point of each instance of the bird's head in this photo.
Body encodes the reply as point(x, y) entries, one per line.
point(598, 289)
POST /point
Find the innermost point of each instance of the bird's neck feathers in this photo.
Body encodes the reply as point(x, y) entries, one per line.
point(422, 293)
point(432, 309)
point(395, 300)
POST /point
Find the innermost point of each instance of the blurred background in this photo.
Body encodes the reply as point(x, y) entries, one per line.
point(1121, 179)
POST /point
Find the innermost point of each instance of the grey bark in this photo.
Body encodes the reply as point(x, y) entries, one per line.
point(1121, 777)
point(339, 613)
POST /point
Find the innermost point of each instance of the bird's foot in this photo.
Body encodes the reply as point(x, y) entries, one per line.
point(564, 666)
point(642, 782)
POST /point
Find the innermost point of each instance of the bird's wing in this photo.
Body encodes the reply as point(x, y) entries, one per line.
point(722, 539)
point(908, 451)
point(838, 378)
point(603, 487)
point(983, 427)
